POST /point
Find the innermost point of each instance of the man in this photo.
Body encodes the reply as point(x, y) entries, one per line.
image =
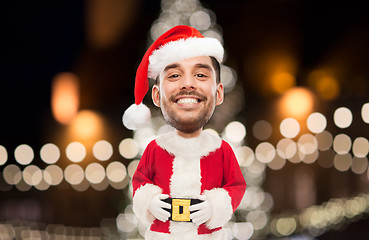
point(188, 182)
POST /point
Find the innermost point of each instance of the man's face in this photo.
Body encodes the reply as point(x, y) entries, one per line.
point(188, 93)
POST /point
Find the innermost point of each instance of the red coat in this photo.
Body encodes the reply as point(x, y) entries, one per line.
point(185, 168)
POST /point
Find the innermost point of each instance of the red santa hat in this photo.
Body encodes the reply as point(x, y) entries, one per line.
point(179, 43)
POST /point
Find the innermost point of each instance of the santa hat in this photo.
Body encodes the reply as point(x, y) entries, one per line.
point(179, 43)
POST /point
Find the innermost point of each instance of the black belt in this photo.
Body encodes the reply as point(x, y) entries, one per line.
point(179, 211)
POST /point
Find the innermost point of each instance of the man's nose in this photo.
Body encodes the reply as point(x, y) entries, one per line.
point(188, 82)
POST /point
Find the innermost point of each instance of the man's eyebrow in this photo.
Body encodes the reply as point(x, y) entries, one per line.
point(174, 65)
point(202, 65)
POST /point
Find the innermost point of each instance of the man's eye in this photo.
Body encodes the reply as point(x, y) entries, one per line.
point(173, 76)
point(200, 75)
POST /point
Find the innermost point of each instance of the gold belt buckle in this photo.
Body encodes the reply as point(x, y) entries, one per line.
point(180, 211)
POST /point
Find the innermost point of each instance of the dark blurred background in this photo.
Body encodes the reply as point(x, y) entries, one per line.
point(319, 46)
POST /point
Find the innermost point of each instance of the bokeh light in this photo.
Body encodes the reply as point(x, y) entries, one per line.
point(12, 174)
point(286, 148)
point(277, 163)
point(342, 117)
point(245, 156)
point(325, 140)
point(365, 112)
point(342, 143)
point(235, 132)
point(243, 230)
point(50, 153)
point(102, 150)
point(342, 162)
point(200, 20)
point(132, 166)
point(262, 130)
point(326, 86)
point(265, 152)
point(307, 144)
point(95, 173)
point(3, 155)
point(281, 81)
point(86, 125)
point(359, 165)
point(128, 148)
point(316, 122)
point(24, 154)
point(297, 103)
point(32, 175)
point(53, 175)
point(116, 172)
point(289, 128)
point(65, 97)
point(360, 147)
point(76, 152)
point(74, 174)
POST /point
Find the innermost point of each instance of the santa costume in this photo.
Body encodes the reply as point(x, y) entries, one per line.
point(182, 168)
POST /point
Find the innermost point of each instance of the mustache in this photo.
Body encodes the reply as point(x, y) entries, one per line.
point(188, 93)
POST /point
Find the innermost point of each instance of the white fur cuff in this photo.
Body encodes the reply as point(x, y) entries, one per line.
point(221, 204)
point(141, 202)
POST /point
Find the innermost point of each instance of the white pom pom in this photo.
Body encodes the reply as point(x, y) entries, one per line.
point(136, 116)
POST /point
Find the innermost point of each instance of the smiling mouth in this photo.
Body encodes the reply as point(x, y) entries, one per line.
point(188, 101)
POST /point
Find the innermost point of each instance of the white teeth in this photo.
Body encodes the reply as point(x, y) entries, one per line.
point(187, 101)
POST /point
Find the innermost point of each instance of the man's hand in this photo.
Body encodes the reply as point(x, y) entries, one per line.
point(204, 211)
point(156, 207)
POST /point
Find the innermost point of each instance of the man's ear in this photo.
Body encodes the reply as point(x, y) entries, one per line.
point(219, 94)
point(155, 95)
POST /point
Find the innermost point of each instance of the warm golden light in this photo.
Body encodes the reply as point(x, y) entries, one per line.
point(326, 86)
point(282, 81)
point(297, 103)
point(86, 125)
point(65, 97)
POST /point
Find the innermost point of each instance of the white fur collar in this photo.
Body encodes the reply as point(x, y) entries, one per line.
point(201, 146)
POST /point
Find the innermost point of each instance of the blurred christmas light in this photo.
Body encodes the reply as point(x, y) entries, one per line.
point(342, 162)
point(50, 153)
point(76, 152)
point(65, 97)
point(262, 130)
point(286, 148)
point(342, 143)
point(265, 152)
point(116, 172)
point(325, 140)
point(87, 125)
point(3, 155)
point(74, 174)
point(360, 147)
point(95, 173)
point(245, 156)
point(53, 175)
point(297, 103)
point(324, 84)
point(316, 122)
point(235, 132)
point(365, 112)
point(12, 174)
point(342, 117)
point(289, 128)
point(102, 150)
point(128, 148)
point(282, 81)
point(24, 154)
point(32, 175)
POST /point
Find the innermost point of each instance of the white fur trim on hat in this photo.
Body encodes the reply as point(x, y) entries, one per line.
point(136, 116)
point(183, 49)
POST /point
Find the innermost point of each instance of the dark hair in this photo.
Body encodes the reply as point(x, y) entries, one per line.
point(216, 67)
